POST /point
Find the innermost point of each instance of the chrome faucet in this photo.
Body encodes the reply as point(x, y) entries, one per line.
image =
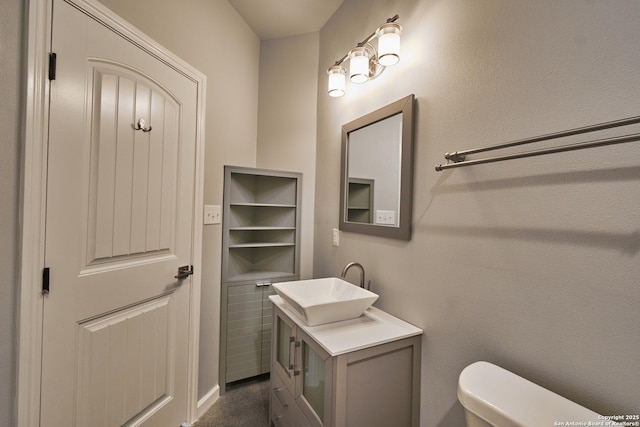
point(356, 264)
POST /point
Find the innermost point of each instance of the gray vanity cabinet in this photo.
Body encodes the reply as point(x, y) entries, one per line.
point(376, 386)
point(260, 246)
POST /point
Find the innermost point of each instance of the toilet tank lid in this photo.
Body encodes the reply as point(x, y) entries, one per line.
point(505, 399)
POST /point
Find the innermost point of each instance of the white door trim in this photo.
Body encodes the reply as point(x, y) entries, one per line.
point(33, 197)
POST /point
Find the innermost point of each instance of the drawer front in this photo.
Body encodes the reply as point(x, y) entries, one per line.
point(284, 410)
point(281, 401)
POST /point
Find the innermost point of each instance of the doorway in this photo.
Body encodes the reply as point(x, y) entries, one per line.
point(120, 200)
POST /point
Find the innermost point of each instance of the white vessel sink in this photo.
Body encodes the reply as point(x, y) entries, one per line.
point(326, 300)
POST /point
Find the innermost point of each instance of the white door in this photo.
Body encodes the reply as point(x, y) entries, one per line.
point(119, 219)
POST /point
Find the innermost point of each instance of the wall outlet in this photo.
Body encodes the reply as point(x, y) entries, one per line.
point(212, 214)
point(385, 217)
point(336, 237)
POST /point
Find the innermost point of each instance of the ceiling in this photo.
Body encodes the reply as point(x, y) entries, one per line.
point(272, 19)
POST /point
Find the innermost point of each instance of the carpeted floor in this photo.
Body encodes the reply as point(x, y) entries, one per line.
point(245, 404)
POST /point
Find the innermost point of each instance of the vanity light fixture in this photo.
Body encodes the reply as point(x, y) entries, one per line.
point(337, 81)
point(365, 62)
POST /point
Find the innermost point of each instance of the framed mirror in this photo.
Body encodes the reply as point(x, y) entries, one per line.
point(377, 172)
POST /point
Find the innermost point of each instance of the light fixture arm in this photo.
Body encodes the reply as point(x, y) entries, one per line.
point(367, 40)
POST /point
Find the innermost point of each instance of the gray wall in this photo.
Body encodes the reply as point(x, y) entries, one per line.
point(531, 264)
point(287, 117)
point(211, 36)
point(11, 39)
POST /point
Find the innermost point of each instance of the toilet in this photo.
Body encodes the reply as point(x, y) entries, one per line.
point(495, 397)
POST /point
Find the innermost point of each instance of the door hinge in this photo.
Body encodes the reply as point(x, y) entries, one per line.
point(52, 65)
point(45, 281)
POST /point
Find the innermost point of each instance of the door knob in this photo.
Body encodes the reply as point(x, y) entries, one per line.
point(184, 272)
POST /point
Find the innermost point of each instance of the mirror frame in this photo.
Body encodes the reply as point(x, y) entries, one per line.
point(403, 231)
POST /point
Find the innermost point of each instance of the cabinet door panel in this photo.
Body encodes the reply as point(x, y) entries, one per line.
point(283, 349)
point(387, 400)
point(314, 384)
point(313, 379)
point(267, 326)
point(284, 410)
point(244, 332)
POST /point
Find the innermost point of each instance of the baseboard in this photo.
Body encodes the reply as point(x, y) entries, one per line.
point(208, 400)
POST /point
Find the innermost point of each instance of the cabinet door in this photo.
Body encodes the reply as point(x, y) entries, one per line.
point(283, 349)
point(244, 325)
point(267, 322)
point(314, 384)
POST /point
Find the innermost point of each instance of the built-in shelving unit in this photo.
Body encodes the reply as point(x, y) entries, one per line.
point(260, 245)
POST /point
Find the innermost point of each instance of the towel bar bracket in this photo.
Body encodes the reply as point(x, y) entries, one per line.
point(455, 157)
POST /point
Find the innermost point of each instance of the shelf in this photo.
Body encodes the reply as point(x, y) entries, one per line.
point(260, 245)
point(260, 228)
point(263, 215)
point(263, 205)
point(261, 275)
point(286, 236)
point(262, 187)
point(264, 259)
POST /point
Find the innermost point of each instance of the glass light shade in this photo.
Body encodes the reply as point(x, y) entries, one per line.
point(389, 43)
point(359, 64)
point(337, 80)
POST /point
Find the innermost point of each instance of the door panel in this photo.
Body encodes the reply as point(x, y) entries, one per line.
point(124, 363)
point(133, 174)
point(119, 224)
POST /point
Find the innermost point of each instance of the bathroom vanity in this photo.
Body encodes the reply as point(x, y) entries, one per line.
point(358, 372)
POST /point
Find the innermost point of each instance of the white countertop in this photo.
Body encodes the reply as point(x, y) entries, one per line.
point(374, 327)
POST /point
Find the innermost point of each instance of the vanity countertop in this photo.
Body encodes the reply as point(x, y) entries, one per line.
point(373, 327)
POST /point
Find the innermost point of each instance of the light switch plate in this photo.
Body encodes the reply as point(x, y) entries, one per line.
point(385, 217)
point(336, 237)
point(212, 214)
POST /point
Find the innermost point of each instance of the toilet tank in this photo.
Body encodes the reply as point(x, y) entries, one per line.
point(493, 396)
